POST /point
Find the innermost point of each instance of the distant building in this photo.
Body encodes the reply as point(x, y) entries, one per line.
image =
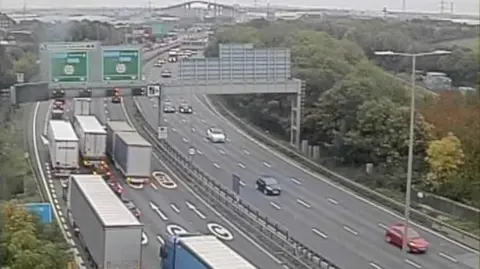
point(437, 81)
point(5, 21)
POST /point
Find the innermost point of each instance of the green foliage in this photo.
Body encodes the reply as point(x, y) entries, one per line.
point(354, 110)
point(14, 170)
point(23, 243)
point(89, 31)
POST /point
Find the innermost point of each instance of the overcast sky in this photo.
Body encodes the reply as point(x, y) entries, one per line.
point(460, 6)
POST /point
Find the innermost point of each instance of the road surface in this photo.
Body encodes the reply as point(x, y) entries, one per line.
point(341, 226)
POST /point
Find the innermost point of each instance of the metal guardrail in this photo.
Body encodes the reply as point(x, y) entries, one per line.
point(446, 229)
point(293, 253)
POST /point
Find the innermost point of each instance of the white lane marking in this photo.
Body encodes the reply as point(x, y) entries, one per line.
point(296, 181)
point(448, 257)
point(381, 225)
point(246, 152)
point(60, 221)
point(243, 234)
point(350, 230)
point(173, 130)
point(174, 208)
point(241, 165)
point(155, 208)
point(321, 234)
point(165, 120)
point(195, 210)
point(184, 121)
point(185, 140)
point(45, 125)
point(413, 264)
point(199, 152)
point(305, 204)
point(267, 164)
point(203, 121)
point(221, 151)
point(194, 130)
point(154, 186)
point(333, 201)
point(216, 165)
point(277, 207)
point(160, 240)
point(220, 231)
point(210, 107)
point(374, 265)
point(242, 183)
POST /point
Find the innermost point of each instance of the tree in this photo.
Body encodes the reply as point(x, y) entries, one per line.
point(21, 246)
point(94, 30)
point(445, 158)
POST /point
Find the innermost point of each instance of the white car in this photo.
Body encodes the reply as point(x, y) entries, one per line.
point(216, 135)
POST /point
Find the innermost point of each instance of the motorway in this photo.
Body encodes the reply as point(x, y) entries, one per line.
point(336, 223)
point(163, 210)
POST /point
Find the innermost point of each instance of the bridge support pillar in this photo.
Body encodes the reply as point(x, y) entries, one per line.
point(296, 116)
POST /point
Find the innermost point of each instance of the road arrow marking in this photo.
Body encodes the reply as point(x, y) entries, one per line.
point(160, 239)
point(44, 140)
point(194, 209)
point(159, 212)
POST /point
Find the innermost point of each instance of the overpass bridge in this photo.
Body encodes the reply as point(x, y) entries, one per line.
point(199, 8)
point(203, 8)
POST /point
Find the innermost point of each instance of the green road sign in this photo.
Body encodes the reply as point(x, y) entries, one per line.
point(69, 66)
point(121, 64)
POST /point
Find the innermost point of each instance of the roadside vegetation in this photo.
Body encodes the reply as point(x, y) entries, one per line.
point(358, 112)
point(25, 243)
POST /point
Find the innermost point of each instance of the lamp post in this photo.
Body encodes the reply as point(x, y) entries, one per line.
point(412, 127)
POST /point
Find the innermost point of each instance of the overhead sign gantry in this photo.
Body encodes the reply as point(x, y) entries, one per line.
point(80, 69)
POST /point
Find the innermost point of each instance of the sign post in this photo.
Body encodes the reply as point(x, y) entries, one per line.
point(121, 65)
point(69, 67)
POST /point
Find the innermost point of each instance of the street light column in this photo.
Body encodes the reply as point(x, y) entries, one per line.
point(410, 156)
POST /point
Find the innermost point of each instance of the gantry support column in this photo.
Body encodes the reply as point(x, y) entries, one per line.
point(296, 116)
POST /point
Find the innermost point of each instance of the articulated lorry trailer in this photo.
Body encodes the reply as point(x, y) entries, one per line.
point(114, 127)
point(132, 156)
point(82, 106)
point(108, 230)
point(197, 251)
point(92, 137)
point(63, 146)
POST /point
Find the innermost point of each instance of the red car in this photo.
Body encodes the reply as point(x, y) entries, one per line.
point(116, 188)
point(416, 244)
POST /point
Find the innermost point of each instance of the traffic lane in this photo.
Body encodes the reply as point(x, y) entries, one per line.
point(179, 202)
point(204, 220)
point(225, 178)
point(43, 116)
point(115, 110)
point(371, 232)
point(317, 187)
point(359, 242)
point(240, 243)
point(41, 121)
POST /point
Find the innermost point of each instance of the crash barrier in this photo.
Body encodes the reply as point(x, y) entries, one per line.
point(272, 236)
point(444, 228)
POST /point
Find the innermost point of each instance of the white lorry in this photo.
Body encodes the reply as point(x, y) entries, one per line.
point(92, 137)
point(132, 156)
point(63, 147)
point(110, 233)
point(82, 106)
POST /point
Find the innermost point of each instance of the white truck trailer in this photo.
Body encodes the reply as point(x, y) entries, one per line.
point(103, 224)
point(63, 147)
point(132, 156)
point(114, 127)
point(92, 137)
point(82, 106)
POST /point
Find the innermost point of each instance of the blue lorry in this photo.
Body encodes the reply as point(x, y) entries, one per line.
point(197, 251)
